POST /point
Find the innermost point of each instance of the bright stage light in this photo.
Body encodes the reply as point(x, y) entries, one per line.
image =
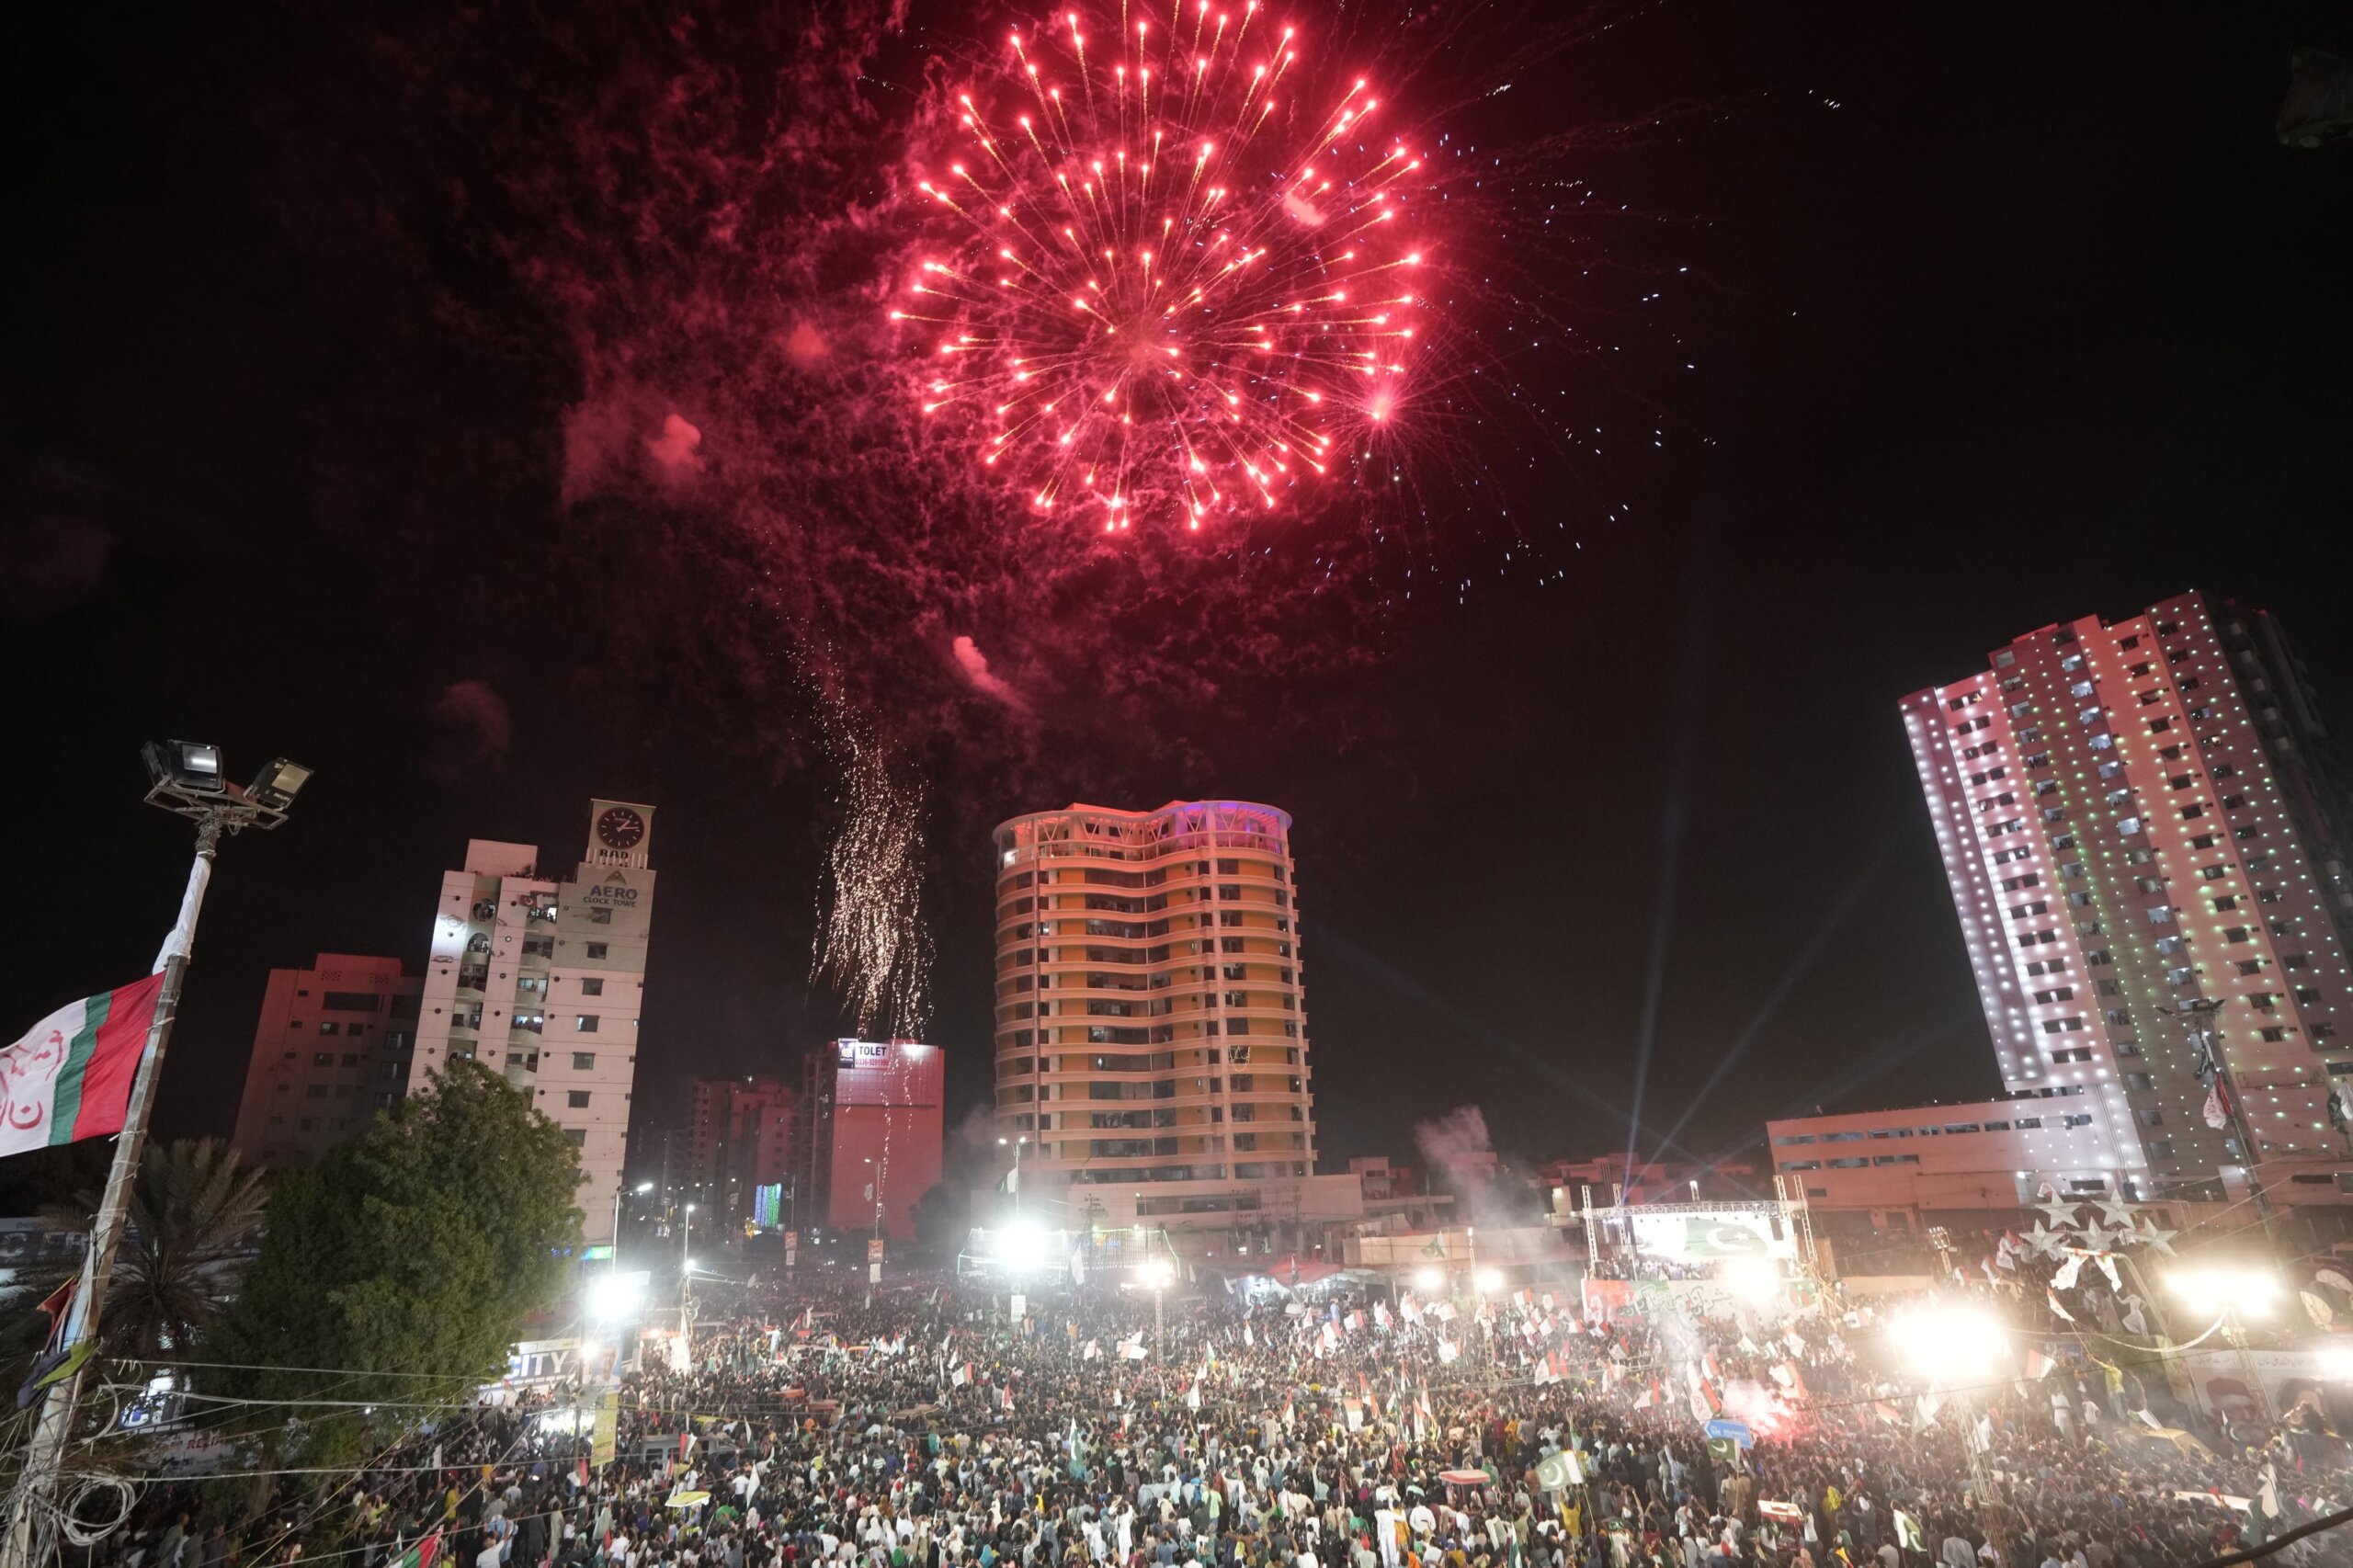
point(1021, 1245)
point(1487, 1281)
point(2250, 1292)
point(1951, 1343)
point(614, 1296)
point(1155, 1273)
point(1429, 1278)
point(1753, 1279)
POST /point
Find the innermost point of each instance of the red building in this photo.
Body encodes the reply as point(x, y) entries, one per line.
point(871, 1134)
point(332, 1049)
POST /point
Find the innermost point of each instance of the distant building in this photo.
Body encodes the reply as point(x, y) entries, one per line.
point(1656, 1181)
point(332, 1047)
point(1150, 1016)
point(739, 1139)
point(2135, 817)
point(544, 981)
point(867, 1133)
point(1973, 1163)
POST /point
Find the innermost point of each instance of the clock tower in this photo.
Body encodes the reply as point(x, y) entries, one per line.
point(620, 834)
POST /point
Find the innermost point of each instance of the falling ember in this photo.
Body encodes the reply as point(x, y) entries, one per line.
point(1185, 241)
point(871, 944)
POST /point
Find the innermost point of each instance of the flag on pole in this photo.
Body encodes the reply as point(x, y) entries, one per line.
point(2038, 1365)
point(69, 1078)
point(2057, 1308)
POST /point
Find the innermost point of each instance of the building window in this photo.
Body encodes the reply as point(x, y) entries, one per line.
point(329, 1028)
point(592, 988)
point(577, 1100)
point(595, 949)
point(585, 1024)
point(575, 1136)
point(584, 1061)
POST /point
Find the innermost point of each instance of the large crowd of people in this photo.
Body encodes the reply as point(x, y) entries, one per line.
point(923, 1426)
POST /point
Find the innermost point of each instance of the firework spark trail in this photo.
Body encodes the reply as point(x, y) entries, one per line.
point(871, 944)
point(1169, 289)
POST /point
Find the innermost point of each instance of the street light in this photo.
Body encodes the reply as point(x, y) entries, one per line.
point(642, 1190)
point(188, 779)
point(1155, 1274)
point(2199, 1016)
point(1014, 1185)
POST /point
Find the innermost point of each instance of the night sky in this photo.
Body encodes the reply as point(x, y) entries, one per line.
point(1998, 318)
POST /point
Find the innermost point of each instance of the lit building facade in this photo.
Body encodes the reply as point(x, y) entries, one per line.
point(868, 1135)
point(2134, 817)
point(544, 981)
point(332, 1047)
point(1150, 1022)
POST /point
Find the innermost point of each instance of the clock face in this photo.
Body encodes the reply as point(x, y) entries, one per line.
point(620, 828)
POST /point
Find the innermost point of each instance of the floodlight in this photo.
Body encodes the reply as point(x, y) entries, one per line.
point(1951, 1343)
point(614, 1296)
point(1752, 1279)
point(1428, 1278)
point(1020, 1245)
point(1487, 1280)
point(275, 786)
point(184, 764)
point(1155, 1272)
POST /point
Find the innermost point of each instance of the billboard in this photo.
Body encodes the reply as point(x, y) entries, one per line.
point(767, 1204)
point(1712, 1235)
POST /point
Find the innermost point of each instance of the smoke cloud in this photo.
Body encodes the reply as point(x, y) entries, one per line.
point(1457, 1147)
point(975, 666)
point(473, 727)
point(673, 449)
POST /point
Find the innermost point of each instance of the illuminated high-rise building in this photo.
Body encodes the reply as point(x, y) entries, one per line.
point(2138, 819)
point(543, 981)
point(1151, 1026)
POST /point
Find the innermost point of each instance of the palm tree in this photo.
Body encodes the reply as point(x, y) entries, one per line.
point(193, 1210)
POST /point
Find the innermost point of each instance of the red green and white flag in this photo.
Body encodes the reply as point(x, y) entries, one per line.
point(424, 1554)
point(70, 1077)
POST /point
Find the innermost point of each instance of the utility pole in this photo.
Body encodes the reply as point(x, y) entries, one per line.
point(185, 779)
point(2201, 1016)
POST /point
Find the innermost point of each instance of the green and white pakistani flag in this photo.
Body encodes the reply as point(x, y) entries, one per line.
point(70, 1077)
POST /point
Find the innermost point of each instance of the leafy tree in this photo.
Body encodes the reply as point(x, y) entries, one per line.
point(193, 1210)
point(943, 1217)
point(419, 1246)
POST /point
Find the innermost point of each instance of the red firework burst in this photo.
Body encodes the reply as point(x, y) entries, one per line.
point(1172, 272)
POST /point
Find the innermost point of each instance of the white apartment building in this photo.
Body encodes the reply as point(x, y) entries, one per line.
point(544, 981)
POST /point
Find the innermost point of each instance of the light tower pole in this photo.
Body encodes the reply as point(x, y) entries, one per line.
point(2201, 1015)
point(185, 778)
